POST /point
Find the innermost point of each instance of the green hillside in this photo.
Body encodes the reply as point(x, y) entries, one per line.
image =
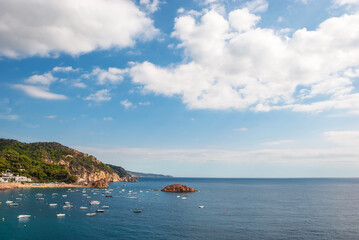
point(46, 161)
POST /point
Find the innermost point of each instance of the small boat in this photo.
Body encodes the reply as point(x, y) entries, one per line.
point(14, 204)
point(68, 206)
point(55, 194)
point(100, 210)
point(52, 204)
point(88, 197)
point(23, 216)
point(83, 208)
point(90, 214)
point(105, 207)
point(19, 199)
point(178, 196)
point(64, 195)
point(156, 194)
point(94, 202)
point(84, 195)
point(8, 202)
point(183, 198)
point(141, 191)
point(108, 195)
point(38, 195)
point(201, 206)
point(60, 215)
point(40, 199)
point(66, 203)
point(137, 210)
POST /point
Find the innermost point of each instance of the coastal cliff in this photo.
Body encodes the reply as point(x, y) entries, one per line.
point(53, 162)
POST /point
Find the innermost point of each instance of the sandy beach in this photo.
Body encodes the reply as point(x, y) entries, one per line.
point(5, 186)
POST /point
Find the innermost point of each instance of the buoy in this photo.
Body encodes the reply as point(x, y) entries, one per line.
point(3, 219)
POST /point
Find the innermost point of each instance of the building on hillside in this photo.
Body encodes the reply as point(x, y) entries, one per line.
point(7, 177)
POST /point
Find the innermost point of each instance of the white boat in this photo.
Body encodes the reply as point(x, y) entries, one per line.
point(19, 199)
point(14, 204)
point(201, 206)
point(100, 210)
point(66, 203)
point(60, 215)
point(178, 196)
point(55, 194)
point(83, 208)
point(88, 197)
point(90, 214)
point(183, 198)
point(64, 195)
point(8, 202)
point(23, 216)
point(53, 204)
point(40, 199)
point(105, 207)
point(95, 202)
point(68, 206)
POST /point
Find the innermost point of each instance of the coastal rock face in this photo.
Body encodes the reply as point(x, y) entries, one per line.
point(102, 183)
point(178, 188)
point(86, 177)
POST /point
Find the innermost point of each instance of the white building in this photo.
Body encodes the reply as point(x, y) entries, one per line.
point(9, 177)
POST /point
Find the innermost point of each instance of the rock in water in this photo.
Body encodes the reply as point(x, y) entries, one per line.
point(102, 183)
point(178, 188)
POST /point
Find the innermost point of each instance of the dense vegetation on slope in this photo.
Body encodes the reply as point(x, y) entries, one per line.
point(46, 161)
point(120, 171)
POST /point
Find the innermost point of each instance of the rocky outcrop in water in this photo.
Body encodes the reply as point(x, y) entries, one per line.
point(178, 188)
point(102, 183)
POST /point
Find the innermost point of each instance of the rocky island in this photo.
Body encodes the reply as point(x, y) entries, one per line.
point(178, 188)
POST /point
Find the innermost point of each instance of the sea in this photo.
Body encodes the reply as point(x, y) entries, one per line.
point(231, 209)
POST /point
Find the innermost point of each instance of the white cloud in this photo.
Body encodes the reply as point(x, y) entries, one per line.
point(10, 117)
point(240, 129)
point(51, 117)
point(346, 2)
point(107, 118)
point(111, 75)
point(127, 104)
point(100, 96)
point(150, 5)
point(257, 6)
point(44, 79)
point(350, 138)
point(65, 69)
point(144, 103)
point(78, 84)
point(70, 26)
point(232, 64)
point(39, 92)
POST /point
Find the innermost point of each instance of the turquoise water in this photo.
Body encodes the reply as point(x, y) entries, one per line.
point(234, 209)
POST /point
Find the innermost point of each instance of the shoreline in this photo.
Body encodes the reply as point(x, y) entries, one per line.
point(7, 186)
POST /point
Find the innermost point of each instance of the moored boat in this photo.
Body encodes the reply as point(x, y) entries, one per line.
point(52, 204)
point(14, 204)
point(105, 207)
point(23, 216)
point(90, 214)
point(137, 210)
point(94, 202)
point(60, 215)
point(100, 210)
point(83, 208)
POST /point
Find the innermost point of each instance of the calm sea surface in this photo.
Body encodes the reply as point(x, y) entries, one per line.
point(233, 209)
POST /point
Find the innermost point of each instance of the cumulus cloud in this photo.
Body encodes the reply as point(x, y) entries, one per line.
point(65, 69)
point(39, 92)
point(127, 104)
point(230, 63)
point(346, 2)
point(70, 26)
point(44, 79)
point(100, 96)
point(111, 75)
point(150, 5)
point(107, 118)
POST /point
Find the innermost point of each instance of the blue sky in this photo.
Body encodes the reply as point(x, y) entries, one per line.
point(189, 88)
